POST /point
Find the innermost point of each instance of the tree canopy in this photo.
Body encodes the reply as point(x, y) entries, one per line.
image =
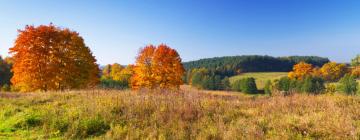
point(47, 57)
point(157, 67)
point(233, 65)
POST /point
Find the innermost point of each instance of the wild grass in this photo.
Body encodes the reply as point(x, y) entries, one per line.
point(260, 77)
point(112, 114)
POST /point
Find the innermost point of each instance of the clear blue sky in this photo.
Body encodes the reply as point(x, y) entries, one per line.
point(115, 30)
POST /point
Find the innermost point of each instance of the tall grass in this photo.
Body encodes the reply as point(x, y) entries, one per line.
point(111, 114)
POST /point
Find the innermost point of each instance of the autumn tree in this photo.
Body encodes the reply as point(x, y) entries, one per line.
point(47, 57)
point(332, 71)
point(157, 67)
point(301, 70)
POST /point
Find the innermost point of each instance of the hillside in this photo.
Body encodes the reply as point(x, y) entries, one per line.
point(107, 114)
point(260, 77)
point(231, 65)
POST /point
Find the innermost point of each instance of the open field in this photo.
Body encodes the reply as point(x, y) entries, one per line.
point(260, 77)
point(189, 114)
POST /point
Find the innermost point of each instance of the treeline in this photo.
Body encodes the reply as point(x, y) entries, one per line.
point(233, 65)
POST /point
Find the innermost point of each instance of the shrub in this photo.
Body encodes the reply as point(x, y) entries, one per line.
point(283, 84)
point(93, 126)
point(246, 85)
point(313, 85)
point(348, 84)
point(267, 87)
point(109, 83)
point(330, 88)
point(225, 83)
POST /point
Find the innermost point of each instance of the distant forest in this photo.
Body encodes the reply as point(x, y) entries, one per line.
point(233, 65)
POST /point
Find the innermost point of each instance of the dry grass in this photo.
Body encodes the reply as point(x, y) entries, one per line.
point(111, 114)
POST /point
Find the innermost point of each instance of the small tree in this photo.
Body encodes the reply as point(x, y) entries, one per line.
point(283, 84)
point(225, 83)
point(267, 88)
point(313, 85)
point(348, 84)
point(248, 85)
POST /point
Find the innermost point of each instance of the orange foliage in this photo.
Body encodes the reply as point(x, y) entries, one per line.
point(51, 58)
point(157, 67)
point(300, 70)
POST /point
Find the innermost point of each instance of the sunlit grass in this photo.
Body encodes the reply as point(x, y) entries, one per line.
point(187, 114)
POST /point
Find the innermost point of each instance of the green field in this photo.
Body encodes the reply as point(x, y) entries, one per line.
point(260, 77)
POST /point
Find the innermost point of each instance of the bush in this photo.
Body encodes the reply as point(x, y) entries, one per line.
point(225, 83)
point(283, 84)
point(330, 88)
point(109, 83)
point(246, 85)
point(313, 85)
point(267, 87)
point(94, 126)
point(348, 84)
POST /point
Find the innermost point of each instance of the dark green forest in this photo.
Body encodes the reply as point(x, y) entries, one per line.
point(233, 65)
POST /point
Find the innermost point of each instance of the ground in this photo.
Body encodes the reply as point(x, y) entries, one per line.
point(184, 114)
point(260, 77)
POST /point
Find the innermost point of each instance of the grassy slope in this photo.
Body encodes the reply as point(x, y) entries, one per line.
point(261, 77)
point(190, 114)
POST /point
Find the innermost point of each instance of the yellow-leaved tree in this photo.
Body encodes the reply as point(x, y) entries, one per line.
point(47, 57)
point(158, 67)
point(332, 71)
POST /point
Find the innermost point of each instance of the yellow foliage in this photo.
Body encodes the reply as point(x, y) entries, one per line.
point(332, 71)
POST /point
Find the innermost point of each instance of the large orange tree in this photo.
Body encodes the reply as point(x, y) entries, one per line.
point(157, 67)
point(47, 57)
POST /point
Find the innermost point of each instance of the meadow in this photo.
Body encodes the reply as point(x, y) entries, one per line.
point(260, 77)
point(184, 114)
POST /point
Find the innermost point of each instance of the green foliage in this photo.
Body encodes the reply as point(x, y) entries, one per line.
point(246, 85)
point(109, 83)
point(310, 85)
point(5, 71)
point(330, 88)
point(283, 84)
point(205, 79)
point(233, 65)
point(116, 76)
point(313, 85)
point(93, 126)
point(267, 88)
point(348, 84)
point(225, 83)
